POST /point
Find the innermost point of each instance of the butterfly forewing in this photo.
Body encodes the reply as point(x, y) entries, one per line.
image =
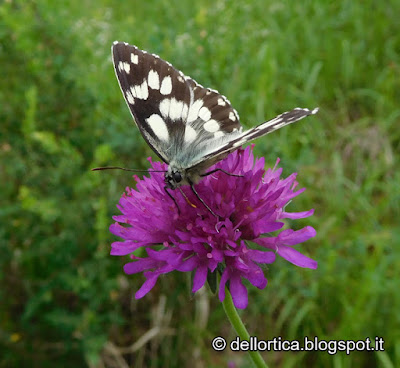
point(176, 116)
point(189, 127)
point(216, 153)
point(156, 93)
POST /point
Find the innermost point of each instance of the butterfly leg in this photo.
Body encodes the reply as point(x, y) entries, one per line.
point(170, 196)
point(186, 198)
point(225, 172)
point(204, 203)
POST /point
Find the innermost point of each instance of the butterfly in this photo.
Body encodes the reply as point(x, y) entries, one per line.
point(188, 126)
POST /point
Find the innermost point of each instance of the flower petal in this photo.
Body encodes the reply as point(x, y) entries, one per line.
point(251, 207)
point(239, 292)
point(222, 284)
point(291, 237)
point(295, 257)
point(257, 279)
point(199, 278)
point(140, 265)
point(261, 256)
point(297, 215)
point(147, 286)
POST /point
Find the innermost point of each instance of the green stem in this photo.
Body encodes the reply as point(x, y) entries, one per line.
point(240, 328)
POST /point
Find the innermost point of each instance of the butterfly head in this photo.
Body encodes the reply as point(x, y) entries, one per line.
point(174, 178)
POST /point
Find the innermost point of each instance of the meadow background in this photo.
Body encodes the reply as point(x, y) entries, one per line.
point(65, 302)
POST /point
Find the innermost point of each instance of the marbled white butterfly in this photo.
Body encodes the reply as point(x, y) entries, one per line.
point(188, 126)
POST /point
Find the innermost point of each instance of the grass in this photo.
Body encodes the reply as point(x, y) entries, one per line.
point(66, 302)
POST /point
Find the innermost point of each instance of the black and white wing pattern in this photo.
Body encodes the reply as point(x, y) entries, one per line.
point(176, 116)
point(216, 153)
point(188, 126)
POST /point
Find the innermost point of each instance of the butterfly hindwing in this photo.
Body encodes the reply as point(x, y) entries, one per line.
point(214, 110)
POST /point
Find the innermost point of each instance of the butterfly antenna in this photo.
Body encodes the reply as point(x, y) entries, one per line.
point(125, 169)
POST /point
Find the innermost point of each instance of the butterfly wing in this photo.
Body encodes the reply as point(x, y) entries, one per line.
point(217, 151)
point(211, 121)
point(156, 93)
point(176, 116)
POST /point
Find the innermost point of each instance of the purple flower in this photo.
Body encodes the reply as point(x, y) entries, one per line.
point(249, 207)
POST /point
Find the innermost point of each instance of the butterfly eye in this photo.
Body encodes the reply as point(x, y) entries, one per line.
point(177, 177)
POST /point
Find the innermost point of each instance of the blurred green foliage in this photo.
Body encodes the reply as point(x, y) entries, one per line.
point(65, 302)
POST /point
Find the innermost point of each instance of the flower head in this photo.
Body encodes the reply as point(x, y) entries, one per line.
point(250, 208)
